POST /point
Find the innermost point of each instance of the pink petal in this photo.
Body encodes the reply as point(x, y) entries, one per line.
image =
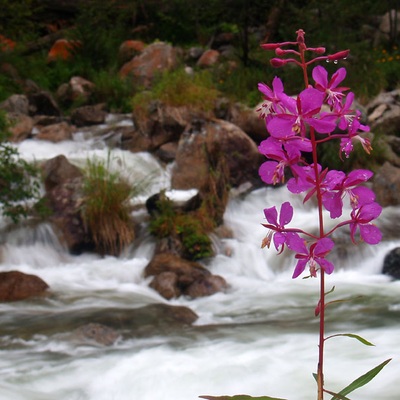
point(320, 76)
point(271, 215)
point(286, 214)
point(300, 267)
point(370, 234)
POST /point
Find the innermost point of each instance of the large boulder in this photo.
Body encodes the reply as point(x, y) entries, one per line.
point(175, 276)
point(65, 201)
point(391, 263)
point(42, 103)
point(97, 334)
point(129, 49)
point(89, 115)
point(17, 103)
point(163, 123)
point(386, 185)
point(58, 170)
point(15, 285)
point(154, 59)
point(21, 126)
point(248, 119)
point(77, 89)
point(56, 132)
point(204, 144)
point(384, 113)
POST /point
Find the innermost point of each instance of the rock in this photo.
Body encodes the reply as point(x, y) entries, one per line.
point(154, 59)
point(391, 263)
point(388, 27)
point(65, 201)
point(208, 58)
point(89, 115)
point(56, 132)
point(43, 103)
point(97, 334)
point(166, 283)
point(194, 53)
point(130, 49)
point(386, 185)
point(206, 286)
point(163, 123)
point(174, 276)
point(63, 49)
point(181, 202)
point(57, 171)
point(167, 152)
point(21, 126)
point(77, 89)
point(15, 285)
point(249, 121)
point(134, 140)
point(207, 142)
point(384, 113)
point(17, 103)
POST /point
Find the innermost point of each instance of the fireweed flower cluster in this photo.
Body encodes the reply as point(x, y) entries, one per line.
point(322, 112)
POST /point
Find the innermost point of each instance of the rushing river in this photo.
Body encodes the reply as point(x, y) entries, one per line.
point(258, 338)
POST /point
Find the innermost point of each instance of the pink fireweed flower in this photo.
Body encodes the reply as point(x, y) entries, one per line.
point(273, 170)
point(305, 180)
point(361, 220)
point(334, 94)
point(338, 185)
point(346, 144)
point(301, 112)
point(314, 255)
point(272, 103)
point(277, 228)
point(349, 119)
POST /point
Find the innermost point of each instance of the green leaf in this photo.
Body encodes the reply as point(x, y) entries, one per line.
point(337, 395)
point(239, 397)
point(343, 300)
point(352, 335)
point(330, 291)
point(361, 381)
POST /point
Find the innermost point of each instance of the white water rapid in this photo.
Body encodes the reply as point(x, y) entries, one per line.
point(258, 338)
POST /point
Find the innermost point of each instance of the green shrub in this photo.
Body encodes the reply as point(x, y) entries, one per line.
point(187, 228)
point(19, 181)
point(178, 88)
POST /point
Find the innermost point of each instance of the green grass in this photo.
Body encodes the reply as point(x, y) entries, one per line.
point(106, 209)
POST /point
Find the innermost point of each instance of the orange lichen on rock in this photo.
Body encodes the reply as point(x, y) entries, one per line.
point(63, 49)
point(6, 44)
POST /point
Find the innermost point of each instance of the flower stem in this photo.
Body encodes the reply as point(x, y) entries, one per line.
point(321, 303)
point(320, 371)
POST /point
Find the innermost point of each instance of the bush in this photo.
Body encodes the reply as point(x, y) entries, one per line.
point(19, 180)
point(186, 228)
point(177, 89)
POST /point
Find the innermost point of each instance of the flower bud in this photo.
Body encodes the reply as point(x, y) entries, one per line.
point(270, 46)
point(319, 50)
point(280, 52)
point(277, 62)
point(300, 36)
point(339, 56)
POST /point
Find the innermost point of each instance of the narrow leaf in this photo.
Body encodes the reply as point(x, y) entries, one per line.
point(239, 397)
point(362, 380)
point(343, 300)
point(330, 291)
point(337, 395)
point(352, 335)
